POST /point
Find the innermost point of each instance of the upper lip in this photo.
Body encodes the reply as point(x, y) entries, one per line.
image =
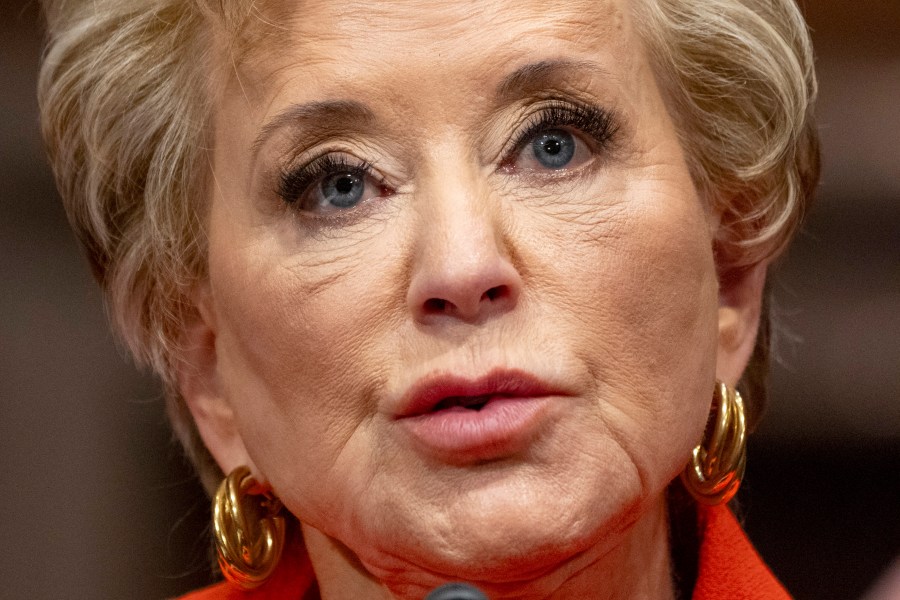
point(425, 394)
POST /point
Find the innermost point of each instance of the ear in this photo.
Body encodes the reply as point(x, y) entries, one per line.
point(740, 304)
point(200, 385)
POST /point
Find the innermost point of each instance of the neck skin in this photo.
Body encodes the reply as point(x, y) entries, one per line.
point(638, 568)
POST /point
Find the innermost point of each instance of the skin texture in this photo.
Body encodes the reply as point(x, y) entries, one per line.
point(602, 276)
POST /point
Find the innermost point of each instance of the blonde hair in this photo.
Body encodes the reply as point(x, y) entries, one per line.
point(125, 111)
point(741, 85)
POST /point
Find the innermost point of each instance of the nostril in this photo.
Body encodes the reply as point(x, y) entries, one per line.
point(435, 305)
point(495, 293)
point(469, 306)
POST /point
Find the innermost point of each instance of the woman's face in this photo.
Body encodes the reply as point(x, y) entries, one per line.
point(461, 287)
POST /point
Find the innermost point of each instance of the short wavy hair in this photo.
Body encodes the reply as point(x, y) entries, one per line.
point(126, 112)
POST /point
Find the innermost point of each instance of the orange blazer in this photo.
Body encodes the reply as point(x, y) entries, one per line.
point(728, 569)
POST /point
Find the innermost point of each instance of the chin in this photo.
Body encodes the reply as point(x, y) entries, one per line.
point(502, 539)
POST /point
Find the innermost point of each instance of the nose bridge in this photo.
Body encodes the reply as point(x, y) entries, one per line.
point(462, 211)
point(462, 264)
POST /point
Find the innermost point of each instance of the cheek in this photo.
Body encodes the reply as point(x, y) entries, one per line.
point(294, 331)
point(641, 295)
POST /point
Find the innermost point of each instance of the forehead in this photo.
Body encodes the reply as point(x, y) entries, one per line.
point(441, 24)
point(340, 43)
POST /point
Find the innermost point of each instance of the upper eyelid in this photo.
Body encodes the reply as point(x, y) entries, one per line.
point(297, 150)
point(319, 162)
point(310, 156)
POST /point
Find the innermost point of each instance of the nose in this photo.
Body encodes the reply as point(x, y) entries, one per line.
point(462, 266)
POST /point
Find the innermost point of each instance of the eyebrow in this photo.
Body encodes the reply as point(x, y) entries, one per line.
point(543, 74)
point(330, 114)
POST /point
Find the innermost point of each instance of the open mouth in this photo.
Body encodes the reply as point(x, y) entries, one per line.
point(466, 402)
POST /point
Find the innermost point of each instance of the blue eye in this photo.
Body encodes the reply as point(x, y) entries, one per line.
point(328, 184)
point(554, 149)
point(562, 137)
point(341, 190)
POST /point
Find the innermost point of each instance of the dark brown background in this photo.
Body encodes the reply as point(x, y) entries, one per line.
point(96, 502)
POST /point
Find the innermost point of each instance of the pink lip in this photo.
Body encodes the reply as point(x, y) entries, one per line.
point(424, 396)
point(513, 406)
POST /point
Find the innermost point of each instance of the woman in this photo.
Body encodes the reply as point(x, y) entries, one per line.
point(452, 291)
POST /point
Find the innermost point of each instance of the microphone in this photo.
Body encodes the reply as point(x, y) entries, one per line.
point(456, 591)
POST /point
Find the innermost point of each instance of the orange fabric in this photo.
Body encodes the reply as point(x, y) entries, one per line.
point(728, 569)
point(292, 580)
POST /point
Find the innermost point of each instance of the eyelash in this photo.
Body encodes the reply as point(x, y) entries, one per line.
point(597, 123)
point(294, 183)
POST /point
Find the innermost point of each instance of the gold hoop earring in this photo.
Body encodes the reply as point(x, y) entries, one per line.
point(249, 531)
point(714, 472)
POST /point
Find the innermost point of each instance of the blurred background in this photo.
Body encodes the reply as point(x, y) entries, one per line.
point(97, 501)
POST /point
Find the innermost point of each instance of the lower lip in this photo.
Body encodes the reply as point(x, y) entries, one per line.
point(502, 428)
